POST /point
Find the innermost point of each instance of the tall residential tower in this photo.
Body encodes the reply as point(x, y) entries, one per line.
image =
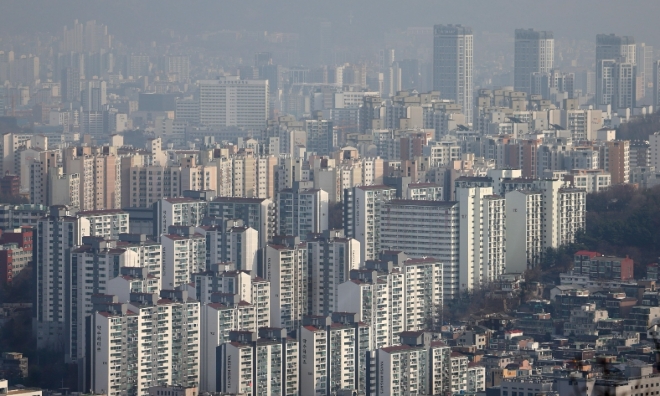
point(452, 64)
point(534, 53)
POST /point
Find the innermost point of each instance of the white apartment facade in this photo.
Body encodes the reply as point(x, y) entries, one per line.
point(181, 257)
point(286, 268)
point(126, 357)
point(482, 236)
point(107, 223)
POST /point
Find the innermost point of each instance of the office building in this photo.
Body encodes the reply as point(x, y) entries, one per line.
point(231, 102)
point(452, 65)
point(534, 53)
point(94, 96)
point(179, 67)
point(70, 82)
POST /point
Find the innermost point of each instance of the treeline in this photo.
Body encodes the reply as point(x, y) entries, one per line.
point(624, 221)
point(639, 128)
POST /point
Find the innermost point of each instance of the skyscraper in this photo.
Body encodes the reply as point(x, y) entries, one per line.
point(452, 64)
point(656, 84)
point(611, 47)
point(534, 53)
point(645, 59)
point(70, 85)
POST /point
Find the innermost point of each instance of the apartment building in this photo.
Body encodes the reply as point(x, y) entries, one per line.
point(178, 212)
point(150, 253)
point(482, 225)
point(125, 358)
point(286, 267)
point(257, 213)
point(225, 313)
point(259, 363)
point(424, 229)
point(148, 184)
point(58, 232)
point(108, 223)
point(92, 265)
point(302, 210)
point(333, 354)
point(552, 215)
point(615, 159)
point(415, 365)
point(231, 242)
point(100, 176)
point(132, 280)
point(362, 216)
point(331, 257)
point(182, 256)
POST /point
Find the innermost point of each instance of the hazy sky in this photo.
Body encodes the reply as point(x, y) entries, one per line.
point(580, 19)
